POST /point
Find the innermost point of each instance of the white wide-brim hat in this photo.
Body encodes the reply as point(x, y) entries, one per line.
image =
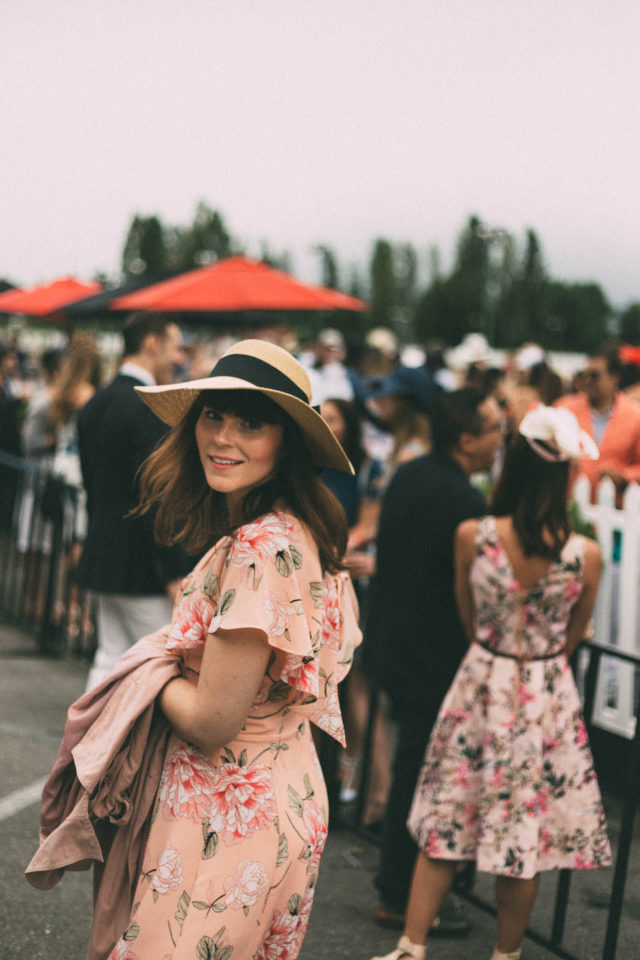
point(559, 430)
point(268, 369)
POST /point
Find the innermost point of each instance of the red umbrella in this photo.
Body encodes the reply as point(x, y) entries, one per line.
point(235, 284)
point(48, 298)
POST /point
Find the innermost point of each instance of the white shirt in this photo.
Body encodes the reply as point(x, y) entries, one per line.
point(130, 369)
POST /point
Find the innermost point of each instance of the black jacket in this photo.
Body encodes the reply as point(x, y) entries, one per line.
point(414, 638)
point(116, 432)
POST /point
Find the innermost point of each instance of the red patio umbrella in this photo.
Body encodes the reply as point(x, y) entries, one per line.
point(235, 284)
point(47, 298)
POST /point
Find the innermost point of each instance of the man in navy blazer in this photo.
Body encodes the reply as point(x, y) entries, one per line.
point(135, 579)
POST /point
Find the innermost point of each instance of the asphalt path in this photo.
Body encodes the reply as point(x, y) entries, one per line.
point(54, 925)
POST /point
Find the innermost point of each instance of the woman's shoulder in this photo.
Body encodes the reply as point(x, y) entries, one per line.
point(467, 531)
point(587, 547)
point(276, 524)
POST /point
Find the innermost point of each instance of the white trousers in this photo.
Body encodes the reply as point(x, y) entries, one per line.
point(122, 620)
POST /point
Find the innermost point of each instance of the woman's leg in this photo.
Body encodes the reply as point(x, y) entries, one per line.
point(514, 900)
point(430, 884)
point(432, 880)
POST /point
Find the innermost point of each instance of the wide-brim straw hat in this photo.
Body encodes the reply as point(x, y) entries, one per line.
point(268, 369)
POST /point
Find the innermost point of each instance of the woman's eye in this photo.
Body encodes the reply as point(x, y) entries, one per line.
point(211, 414)
point(252, 424)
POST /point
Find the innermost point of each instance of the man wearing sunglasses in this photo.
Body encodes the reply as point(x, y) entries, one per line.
point(611, 419)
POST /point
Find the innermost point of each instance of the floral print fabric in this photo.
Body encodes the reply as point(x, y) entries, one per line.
point(508, 777)
point(232, 858)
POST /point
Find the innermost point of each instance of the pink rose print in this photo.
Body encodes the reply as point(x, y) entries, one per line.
point(194, 618)
point(581, 862)
point(242, 802)
point(316, 833)
point(300, 673)
point(303, 918)
point(546, 839)
point(246, 886)
point(471, 814)
point(582, 739)
point(256, 543)
point(168, 875)
point(328, 717)
point(122, 951)
point(187, 784)
point(461, 775)
point(331, 632)
point(572, 590)
point(525, 695)
point(281, 941)
point(432, 846)
point(278, 610)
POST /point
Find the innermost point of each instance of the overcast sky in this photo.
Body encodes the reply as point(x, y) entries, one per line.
point(332, 121)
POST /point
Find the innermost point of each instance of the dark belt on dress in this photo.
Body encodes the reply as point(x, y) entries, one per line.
point(515, 656)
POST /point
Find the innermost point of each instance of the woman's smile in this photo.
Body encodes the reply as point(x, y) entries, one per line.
point(236, 452)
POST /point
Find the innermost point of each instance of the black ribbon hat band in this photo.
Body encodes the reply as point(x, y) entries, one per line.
point(257, 372)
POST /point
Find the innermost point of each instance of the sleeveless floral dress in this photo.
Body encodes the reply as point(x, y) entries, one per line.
point(232, 857)
point(508, 777)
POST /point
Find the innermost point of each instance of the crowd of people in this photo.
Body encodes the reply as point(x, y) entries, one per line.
point(326, 500)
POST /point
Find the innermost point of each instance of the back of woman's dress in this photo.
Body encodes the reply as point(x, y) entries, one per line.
point(232, 857)
point(508, 777)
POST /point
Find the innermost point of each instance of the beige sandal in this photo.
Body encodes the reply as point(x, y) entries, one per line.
point(499, 955)
point(405, 948)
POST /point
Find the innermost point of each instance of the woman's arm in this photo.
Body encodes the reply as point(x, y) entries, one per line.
point(584, 606)
point(211, 713)
point(464, 554)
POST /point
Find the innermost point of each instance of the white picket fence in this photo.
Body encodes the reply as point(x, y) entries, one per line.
point(617, 611)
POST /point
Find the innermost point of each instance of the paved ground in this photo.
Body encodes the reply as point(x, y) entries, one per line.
point(34, 694)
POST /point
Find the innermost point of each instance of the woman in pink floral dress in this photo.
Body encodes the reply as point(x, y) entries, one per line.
point(265, 627)
point(508, 778)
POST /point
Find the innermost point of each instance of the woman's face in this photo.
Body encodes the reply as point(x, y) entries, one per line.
point(332, 416)
point(236, 453)
point(387, 407)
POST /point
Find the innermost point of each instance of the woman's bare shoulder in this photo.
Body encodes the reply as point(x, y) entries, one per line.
point(465, 540)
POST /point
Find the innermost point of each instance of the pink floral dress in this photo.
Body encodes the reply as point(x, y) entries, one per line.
point(508, 777)
point(235, 841)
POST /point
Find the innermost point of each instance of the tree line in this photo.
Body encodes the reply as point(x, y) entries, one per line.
point(496, 285)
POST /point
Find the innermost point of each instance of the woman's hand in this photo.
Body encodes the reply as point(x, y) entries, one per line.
point(360, 563)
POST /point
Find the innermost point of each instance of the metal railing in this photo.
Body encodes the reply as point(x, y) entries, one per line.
point(38, 552)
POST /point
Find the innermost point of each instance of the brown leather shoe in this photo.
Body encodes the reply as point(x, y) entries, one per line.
point(450, 923)
point(389, 918)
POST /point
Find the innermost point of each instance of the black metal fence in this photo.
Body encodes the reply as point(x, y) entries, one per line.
point(39, 549)
point(628, 788)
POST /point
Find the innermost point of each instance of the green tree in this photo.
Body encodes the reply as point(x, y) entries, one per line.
point(522, 302)
point(145, 249)
point(630, 324)
point(329, 267)
point(205, 241)
point(576, 317)
point(456, 305)
point(384, 285)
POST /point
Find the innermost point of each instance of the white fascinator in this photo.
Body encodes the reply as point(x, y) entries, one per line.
point(555, 435)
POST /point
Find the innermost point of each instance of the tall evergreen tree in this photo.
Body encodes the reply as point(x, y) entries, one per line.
point(384, 285)
point(329, 267)
point(630, 324)
point(145, 250)
point(205, 241)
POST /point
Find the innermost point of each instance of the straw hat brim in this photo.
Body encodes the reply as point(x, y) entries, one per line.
point(172, 403)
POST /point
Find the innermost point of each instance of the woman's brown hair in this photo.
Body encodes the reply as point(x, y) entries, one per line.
point(80, 367)
point(534, 491)
point(190, 512)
